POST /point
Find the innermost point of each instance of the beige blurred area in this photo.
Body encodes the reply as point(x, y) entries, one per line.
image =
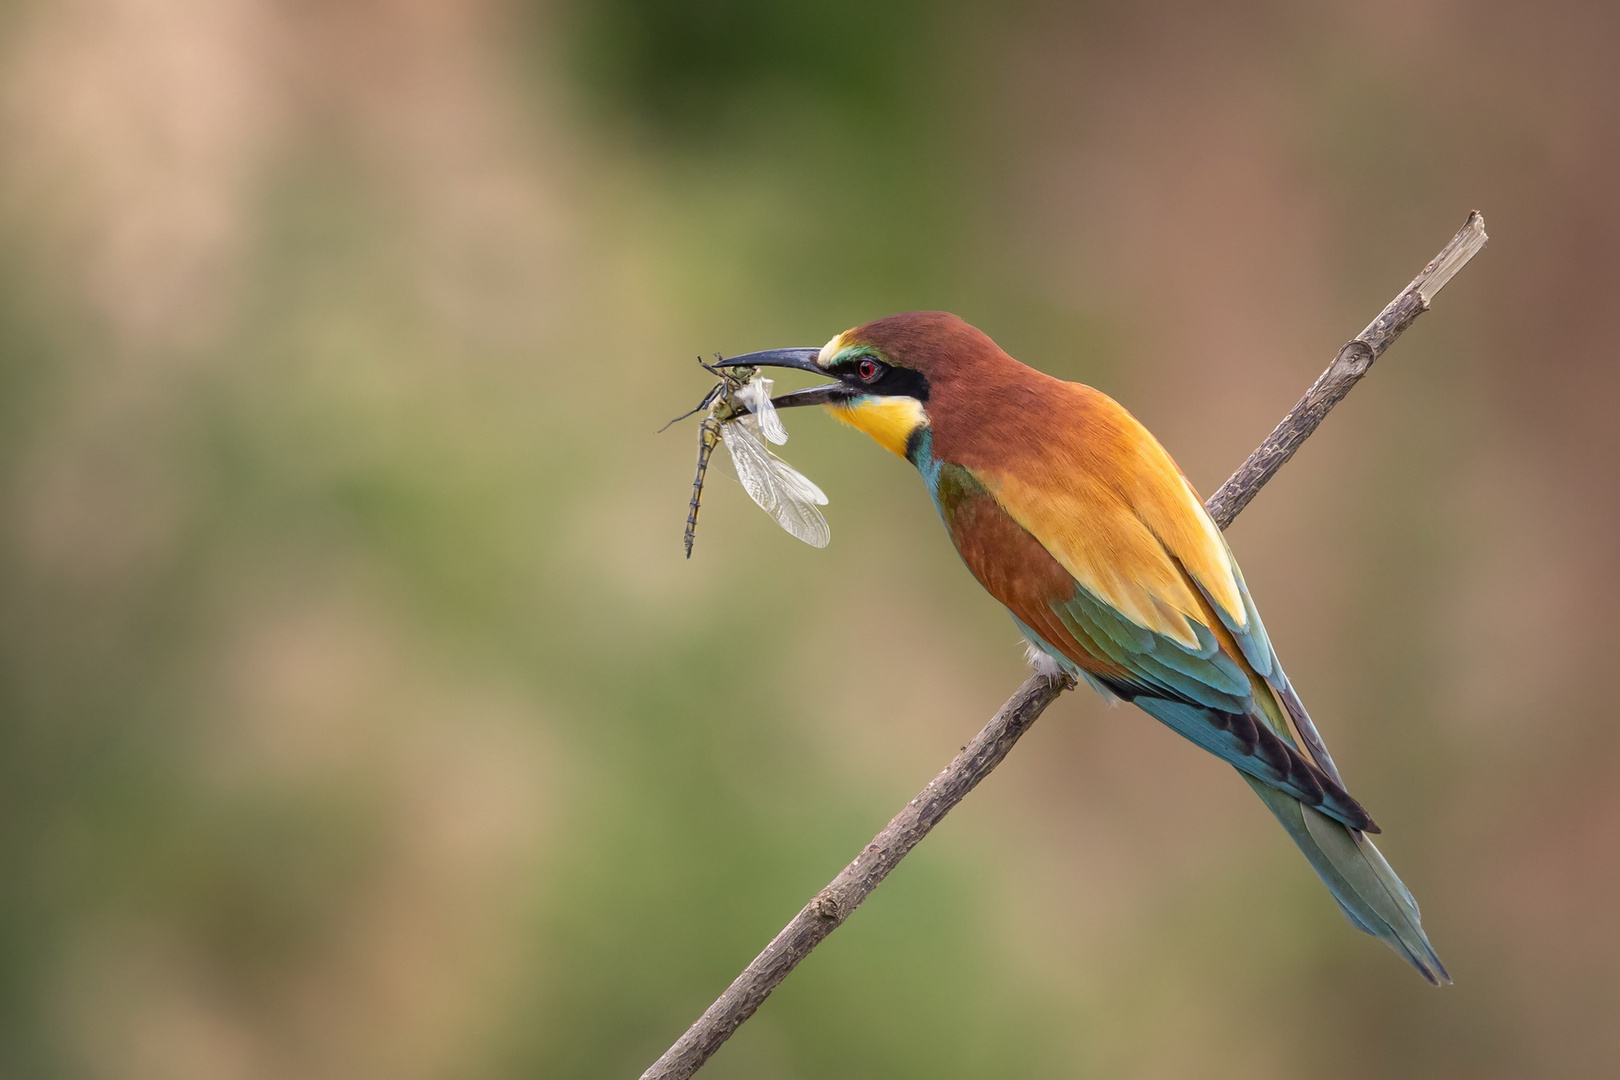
point(359, 716)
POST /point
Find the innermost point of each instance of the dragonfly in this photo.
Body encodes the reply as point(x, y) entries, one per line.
point(738, 412)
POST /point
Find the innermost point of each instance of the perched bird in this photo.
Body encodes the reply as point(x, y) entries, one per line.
point(1073, 516)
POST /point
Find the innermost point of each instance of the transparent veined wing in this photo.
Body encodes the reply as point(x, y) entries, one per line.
point(780, 490)
point(756, 394)
point(796, 512)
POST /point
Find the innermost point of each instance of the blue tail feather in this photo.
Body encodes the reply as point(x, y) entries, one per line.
point(1369, 893)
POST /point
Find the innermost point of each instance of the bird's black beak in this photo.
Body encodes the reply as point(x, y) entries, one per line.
point(801, 359)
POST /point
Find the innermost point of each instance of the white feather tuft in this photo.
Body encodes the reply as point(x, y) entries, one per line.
point(1042, 661)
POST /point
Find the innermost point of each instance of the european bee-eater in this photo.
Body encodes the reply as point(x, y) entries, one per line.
point(1073, 516)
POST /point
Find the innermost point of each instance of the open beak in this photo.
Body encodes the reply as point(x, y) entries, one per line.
point(802, 360)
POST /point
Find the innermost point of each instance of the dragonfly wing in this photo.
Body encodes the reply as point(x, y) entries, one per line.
point(780, 490)
point(795, 484)
point(796, 511)
point(752, 461)
point(770, 423)
point(756, 394)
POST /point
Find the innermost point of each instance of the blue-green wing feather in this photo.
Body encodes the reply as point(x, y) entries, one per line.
point(1206, 696)
point(1192, 692)
point(1257, 649)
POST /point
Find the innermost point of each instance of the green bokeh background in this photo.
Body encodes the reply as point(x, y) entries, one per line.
point(359, 716)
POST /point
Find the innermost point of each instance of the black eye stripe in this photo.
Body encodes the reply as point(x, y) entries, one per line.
point(883, 380)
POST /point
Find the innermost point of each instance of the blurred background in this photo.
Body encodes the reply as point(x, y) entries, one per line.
point(359, 716)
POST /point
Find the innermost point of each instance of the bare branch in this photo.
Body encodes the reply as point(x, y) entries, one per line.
point(832, 905)
point(1353, 361)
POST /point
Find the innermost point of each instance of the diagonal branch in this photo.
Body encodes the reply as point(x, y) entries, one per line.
point(1353, 361)
point(832, 905)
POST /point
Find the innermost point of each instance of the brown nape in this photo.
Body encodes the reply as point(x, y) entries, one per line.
point(984, 406)
point(932, 342)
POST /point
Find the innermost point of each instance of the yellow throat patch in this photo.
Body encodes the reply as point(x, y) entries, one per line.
point(889, 420)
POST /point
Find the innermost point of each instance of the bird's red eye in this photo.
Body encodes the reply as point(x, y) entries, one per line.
point(867, 370)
